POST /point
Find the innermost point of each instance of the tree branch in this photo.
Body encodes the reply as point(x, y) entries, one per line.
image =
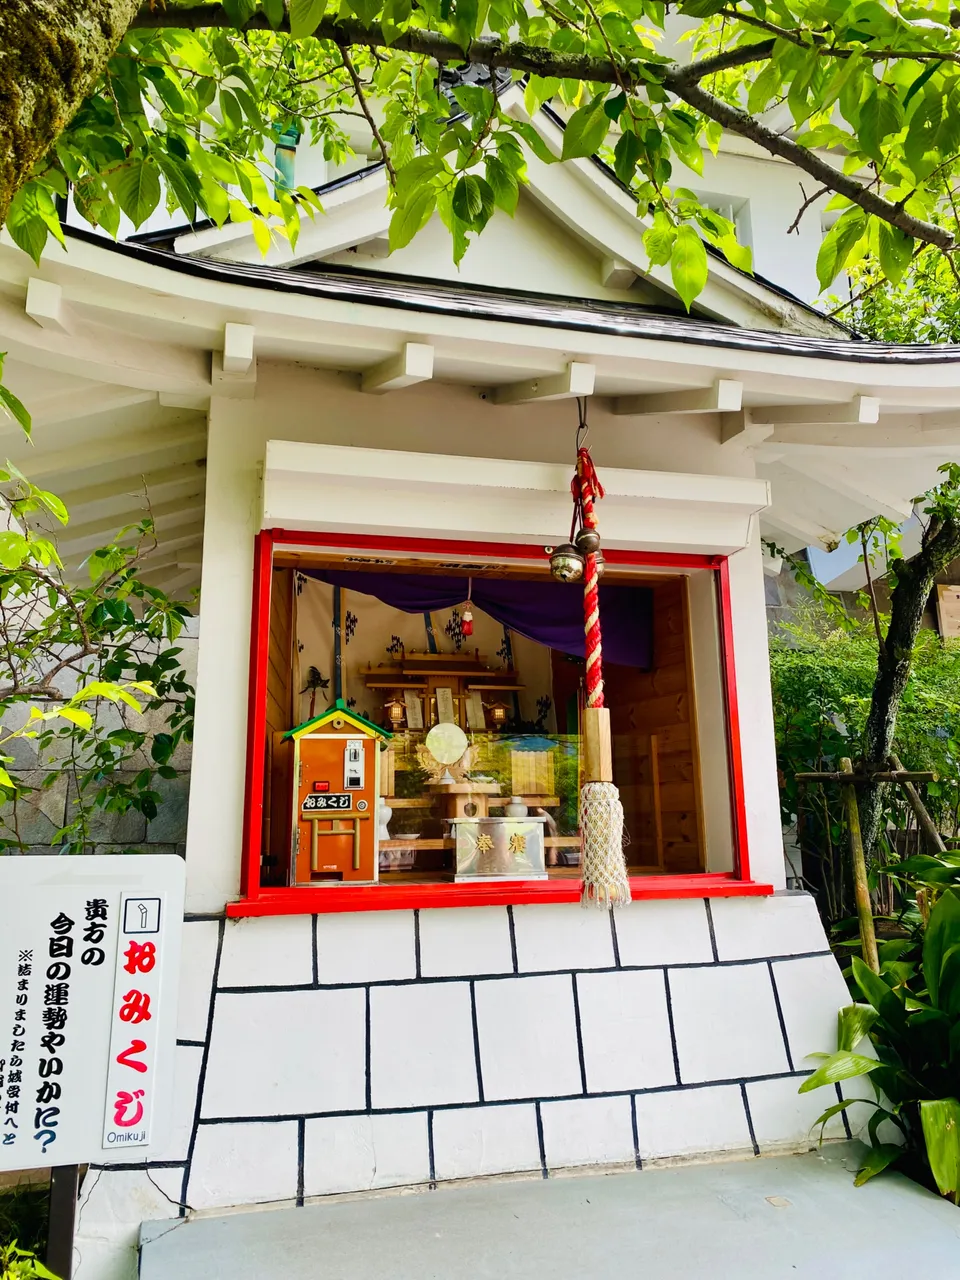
point(365, 108)
point(807, 202)
point(844, 184)
point(682, 81)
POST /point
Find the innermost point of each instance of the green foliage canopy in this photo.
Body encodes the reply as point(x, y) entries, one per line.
point(864, 99)
point(924, 306)
point(823, 677)
point(79, 665)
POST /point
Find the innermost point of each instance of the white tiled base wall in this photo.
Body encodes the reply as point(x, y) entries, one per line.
point(348, 1052)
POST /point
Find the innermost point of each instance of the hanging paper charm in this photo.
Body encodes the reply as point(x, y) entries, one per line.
point(466, 619)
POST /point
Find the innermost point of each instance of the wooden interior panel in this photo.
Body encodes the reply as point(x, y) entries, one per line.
point(654, 741)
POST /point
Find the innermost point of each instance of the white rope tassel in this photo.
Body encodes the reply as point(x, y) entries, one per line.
point(605, 881)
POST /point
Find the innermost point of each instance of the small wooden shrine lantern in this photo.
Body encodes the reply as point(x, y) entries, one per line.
point(336, 790)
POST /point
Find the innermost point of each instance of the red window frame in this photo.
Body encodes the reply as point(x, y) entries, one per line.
point(309, 900)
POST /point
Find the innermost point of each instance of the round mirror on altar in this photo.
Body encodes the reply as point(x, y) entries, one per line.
point(446, 743)
point(446, 754)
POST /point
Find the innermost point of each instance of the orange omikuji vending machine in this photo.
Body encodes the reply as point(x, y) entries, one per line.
point(336, 790)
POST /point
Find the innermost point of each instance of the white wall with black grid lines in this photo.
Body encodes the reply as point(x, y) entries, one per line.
point(346, 1052)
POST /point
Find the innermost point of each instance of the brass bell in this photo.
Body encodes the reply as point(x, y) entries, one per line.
point(588, 542)
point(566, 563)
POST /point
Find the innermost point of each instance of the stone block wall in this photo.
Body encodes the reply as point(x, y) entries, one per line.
point(348, 1052)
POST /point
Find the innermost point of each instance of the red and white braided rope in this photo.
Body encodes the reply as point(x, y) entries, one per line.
point(587, 490)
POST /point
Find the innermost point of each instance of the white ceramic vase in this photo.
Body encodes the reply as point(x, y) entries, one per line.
point(384, 814)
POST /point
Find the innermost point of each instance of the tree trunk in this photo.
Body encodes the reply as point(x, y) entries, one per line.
point(915, 579)
point(52, 52)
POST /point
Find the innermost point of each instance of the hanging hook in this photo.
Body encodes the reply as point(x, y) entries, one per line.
point(583, 427)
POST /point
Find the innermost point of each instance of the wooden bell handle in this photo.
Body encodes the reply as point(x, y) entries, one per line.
point(597, 745)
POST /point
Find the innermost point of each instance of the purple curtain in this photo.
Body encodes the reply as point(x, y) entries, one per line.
point(549, 612)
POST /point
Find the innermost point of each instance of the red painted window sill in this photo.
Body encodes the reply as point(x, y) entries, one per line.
point(406, 897)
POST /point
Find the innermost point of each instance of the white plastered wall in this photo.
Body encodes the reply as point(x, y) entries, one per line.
point(297, 404)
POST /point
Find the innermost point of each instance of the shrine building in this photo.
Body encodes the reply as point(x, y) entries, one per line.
point(365, 463)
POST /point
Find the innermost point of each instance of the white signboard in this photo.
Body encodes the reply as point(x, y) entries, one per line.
point(89, 966)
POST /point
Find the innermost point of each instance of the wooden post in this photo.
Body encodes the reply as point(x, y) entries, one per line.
point(64, 1181)
point(868, 936)
point(924, 821)
point(597, 746)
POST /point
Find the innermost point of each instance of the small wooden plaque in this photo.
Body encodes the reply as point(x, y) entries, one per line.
point(445, 712)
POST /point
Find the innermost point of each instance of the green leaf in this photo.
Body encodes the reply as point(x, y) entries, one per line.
point(473, 201)
point(415, 173)
point(533, 140)
point(823, 1120)
point(688, 264)
point(626, 153)
point(231, 111)
point(137, 184)
point(929, 70)
point(613, 107)
point(881, 116)
point(274, 11)
point(877, 1159)
point(586, 129)
point(659, 240)
point(81, 718)
point(14, 549)
point(539, 89)
point(504, 184)
point(16, 409)
point(737, 254)
point(837, 244)
point(466, 20)
point(408, 219)
point(763, 88)
point(31, 218)
point(940, 937)
point(941, 1133)
point(853, 1023)
point(53, 505)
point(305, 17)
point(886, 1002)
point(839, 1066)
point(895, 251)
point(240, 11)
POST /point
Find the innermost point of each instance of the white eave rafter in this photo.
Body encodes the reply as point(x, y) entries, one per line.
point(166, 334)
point(580, 195)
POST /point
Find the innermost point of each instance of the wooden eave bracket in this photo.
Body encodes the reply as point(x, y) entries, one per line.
point(860, 410)
point(233, 372)
point(577, 379)
point(46, 307)
point(744, 429)
point(725, 396)
point(413, 364)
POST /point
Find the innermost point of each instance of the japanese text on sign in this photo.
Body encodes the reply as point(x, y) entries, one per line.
point(132, 1041)
point(89, 953)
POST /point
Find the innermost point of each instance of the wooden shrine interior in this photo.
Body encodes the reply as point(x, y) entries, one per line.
point(653, 718)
